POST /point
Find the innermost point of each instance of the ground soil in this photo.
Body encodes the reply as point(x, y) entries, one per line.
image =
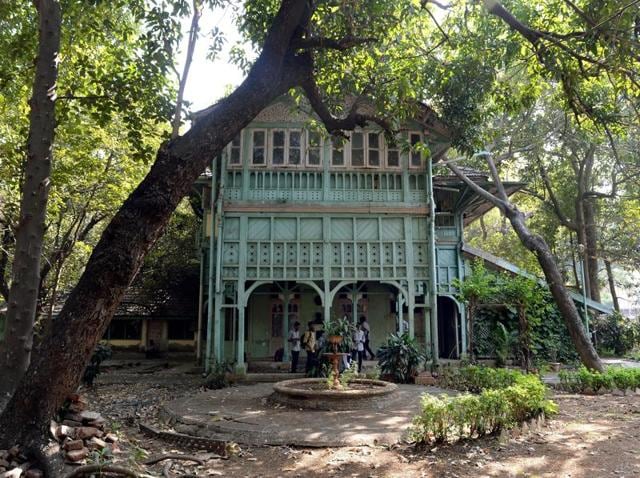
point(592, 436)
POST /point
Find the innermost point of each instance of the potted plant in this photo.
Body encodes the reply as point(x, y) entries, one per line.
point(400, 358)
point(554, 346)
point(339, 331)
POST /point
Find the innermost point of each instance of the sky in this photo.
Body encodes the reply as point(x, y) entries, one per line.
point(208, 79)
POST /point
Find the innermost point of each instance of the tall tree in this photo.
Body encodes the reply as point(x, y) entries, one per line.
point(15, 350)
point(300, 43)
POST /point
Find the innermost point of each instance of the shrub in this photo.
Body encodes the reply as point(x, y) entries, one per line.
point(585, 380)
point(616, 333)
point(400, 358)
point(475, 378)
point(449, 418)
point(101, 353)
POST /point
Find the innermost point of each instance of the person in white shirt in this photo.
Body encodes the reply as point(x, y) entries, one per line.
point(294, 340)
point(367, 338)
point(358, 346)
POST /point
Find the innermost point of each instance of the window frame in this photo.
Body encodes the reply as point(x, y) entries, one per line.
point(388, 147)
point(346, 148)
point(287, 148)
point(265, 146)
point(229, 150)
point(411, 165)
point(307, 149)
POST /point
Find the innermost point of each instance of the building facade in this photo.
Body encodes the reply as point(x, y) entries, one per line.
point(301, 227)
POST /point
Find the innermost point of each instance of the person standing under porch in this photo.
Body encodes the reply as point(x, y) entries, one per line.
point(358, 346)
point(309, 344)
point(294, 340)
point(367, 332)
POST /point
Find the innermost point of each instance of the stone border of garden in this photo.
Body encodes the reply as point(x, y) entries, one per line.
point(288, 392)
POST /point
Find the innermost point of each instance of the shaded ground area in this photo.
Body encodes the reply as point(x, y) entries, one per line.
point(593, 436)
point(245, 415)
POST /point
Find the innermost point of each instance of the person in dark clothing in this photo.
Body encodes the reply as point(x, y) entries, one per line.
point(367, 331)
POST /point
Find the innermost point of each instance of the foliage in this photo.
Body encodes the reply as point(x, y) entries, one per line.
point(218, 377)
point(496, 321)
point(616, 333)
point(503, 340)
point(585, 380)
point(101, 353)
point(479, 285)
point(341, 327)
point(372, 374)
point(474, 378)
point(400, 357)
point(505, 399)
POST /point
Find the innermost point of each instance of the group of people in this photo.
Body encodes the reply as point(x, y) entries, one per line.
point(313, 341)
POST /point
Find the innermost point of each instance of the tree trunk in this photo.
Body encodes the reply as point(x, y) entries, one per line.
point(591, 247)
point(536, 244)
point(56, 371)
point(612, 286)
point(471, 313)
point(563, 300)
point(15, 351)
point(191, 45)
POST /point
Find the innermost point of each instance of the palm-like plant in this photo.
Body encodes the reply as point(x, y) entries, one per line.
point(400, 358)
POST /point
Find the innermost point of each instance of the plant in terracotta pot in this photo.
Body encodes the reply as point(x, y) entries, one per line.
point(339, 332)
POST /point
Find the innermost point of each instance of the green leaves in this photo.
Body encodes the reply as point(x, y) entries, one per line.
point(400, 358)
point(504, 400)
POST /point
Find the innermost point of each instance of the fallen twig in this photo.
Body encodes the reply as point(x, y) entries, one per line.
point(101, 470)
point(157, 459)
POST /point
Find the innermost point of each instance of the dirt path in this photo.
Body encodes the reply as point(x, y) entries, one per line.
point(593, 436)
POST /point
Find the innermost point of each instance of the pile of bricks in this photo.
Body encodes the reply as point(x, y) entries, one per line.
point(14, 464)
point(82, 431)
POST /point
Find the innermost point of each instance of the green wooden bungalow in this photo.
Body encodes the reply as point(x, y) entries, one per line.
point(300, 227)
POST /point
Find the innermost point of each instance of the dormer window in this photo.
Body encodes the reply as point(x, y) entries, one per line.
point(259, 146)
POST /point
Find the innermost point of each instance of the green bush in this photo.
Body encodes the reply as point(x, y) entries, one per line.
point(475, 378)
point(400, 358)
point(448, 418)
point(585, 380)
point(616, 333)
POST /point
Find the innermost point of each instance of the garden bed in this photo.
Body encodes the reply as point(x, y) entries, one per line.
point(502, 399)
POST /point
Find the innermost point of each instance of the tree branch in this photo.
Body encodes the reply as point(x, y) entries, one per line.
point(336, 126)
point(341, 44)
point(554, 200)
point(499, 203)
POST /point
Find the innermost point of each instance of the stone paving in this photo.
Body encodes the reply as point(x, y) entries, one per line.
point(243, 414)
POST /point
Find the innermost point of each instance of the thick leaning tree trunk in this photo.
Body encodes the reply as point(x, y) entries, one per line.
point(61, 359)
point(15, 350)
point(563, 300)
point(536, 244)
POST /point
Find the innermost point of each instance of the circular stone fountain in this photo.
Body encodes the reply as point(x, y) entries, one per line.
point(312, 393)
point(318, 394)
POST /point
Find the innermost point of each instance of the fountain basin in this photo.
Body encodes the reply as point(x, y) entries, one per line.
point(312, 393)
